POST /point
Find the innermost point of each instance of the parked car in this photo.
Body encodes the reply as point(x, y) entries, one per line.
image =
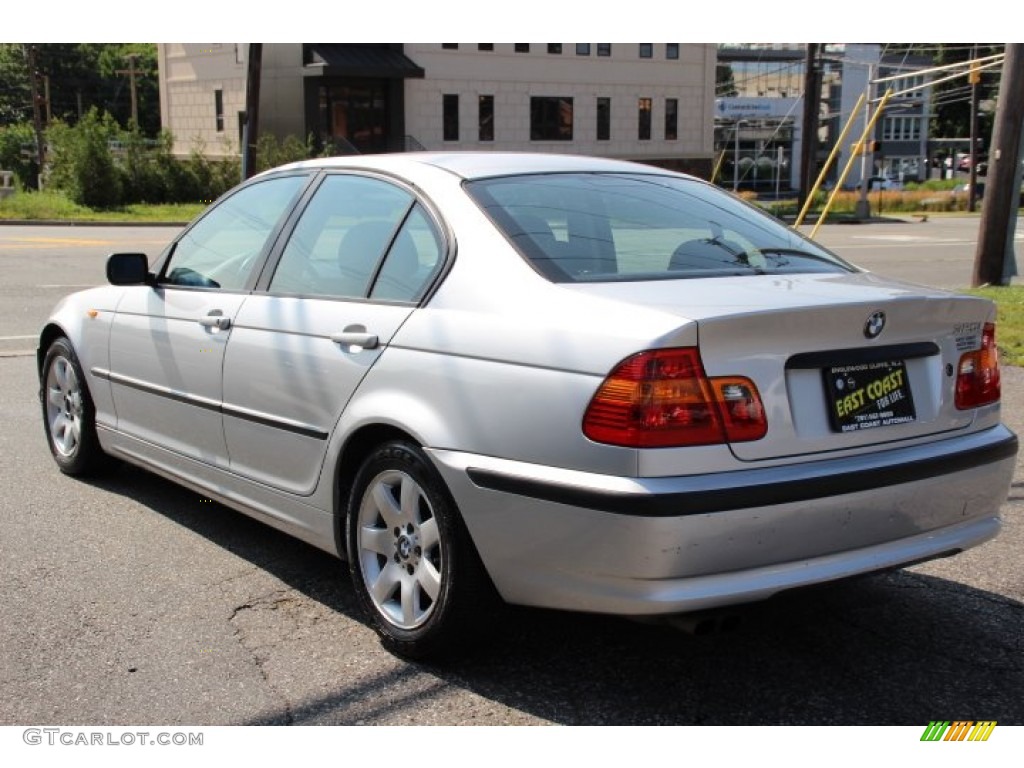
point(962, 190)
point(884, 182)
point(565, 382)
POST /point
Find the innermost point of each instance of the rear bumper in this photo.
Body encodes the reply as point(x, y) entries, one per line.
point(648, 546)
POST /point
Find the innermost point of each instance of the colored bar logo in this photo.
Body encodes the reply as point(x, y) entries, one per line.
point(958, 730)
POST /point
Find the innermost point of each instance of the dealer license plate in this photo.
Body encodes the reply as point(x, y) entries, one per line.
point(868, 395)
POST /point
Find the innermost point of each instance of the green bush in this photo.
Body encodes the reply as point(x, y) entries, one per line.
point(98, 164)
point(933, 185)
point(14, 138)
point(80, 161)
point(209, 178)
point(271, 153)
point(144, 167)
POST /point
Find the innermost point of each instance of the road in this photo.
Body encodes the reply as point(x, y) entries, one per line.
point(130, 600)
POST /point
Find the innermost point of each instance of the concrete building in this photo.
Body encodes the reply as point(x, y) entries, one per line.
point(651, 102)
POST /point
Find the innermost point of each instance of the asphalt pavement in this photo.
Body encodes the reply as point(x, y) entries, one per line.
point(131, 600)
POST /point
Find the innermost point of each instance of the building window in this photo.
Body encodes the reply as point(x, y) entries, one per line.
point(451, 116)
point(218, 109)
point(554, 47)
point(487, 118)
point(644, 119)
point(485, 46)
point(522, 47)
point(901, 129)
point(646, 50)
point(582, 49)
point(604, 118)
point(604, 49)
point(450, 46)
point(551, 118)
point(912, 84)
point(671, 50)
point(671, 119)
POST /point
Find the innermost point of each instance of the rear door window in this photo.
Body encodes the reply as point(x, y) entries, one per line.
point(359, 237)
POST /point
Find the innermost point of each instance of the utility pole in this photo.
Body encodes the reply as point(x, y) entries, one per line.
point(132, 72)
point(250, 131)
point(973, 78)
point(37, 114)
point(812, 110)
point(863, 207)
point(999, 213)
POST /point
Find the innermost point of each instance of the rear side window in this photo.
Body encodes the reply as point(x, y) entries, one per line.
point(359, 237)
point(601, 227)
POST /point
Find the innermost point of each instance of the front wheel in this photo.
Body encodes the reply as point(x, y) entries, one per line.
point(69, 416)
point(415, 570)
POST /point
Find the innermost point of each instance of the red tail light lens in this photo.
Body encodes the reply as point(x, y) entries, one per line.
point(977, 379)
point(662, 398)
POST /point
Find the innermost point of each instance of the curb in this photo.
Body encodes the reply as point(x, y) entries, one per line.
point(76, 223)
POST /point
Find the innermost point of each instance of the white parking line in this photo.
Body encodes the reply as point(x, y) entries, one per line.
point(956, 244)
point(16, 338)
point(911, 239)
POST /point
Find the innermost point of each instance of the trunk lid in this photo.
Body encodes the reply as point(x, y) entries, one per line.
point(841, 361)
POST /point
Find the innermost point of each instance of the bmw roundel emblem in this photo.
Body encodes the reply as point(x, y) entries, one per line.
point(875, 325)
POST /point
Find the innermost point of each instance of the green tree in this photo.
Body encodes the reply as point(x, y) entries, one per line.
point(81, 76)
point(15, 95)
point(725, 81)
point(951, 100)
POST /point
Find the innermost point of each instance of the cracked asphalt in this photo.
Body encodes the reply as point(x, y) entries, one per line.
point(129, 600)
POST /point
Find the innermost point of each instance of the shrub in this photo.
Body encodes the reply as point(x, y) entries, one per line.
point(13, 138)
point(271, 153)
point(80, 161)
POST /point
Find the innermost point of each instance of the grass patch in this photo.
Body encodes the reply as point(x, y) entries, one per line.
point(1009, 300)
point(55, 206)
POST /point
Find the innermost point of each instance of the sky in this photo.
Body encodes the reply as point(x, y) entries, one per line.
point(523, 20)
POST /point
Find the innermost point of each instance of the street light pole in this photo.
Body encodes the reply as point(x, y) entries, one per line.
point(863, 207)
point(736, 157)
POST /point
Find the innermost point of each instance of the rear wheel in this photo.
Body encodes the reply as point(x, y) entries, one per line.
point(69, 416)
point(416, 572)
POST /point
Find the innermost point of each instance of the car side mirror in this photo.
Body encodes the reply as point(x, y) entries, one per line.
point(128, 269)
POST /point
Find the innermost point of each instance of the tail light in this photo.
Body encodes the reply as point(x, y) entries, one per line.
point(663, 398)
point(977, 379)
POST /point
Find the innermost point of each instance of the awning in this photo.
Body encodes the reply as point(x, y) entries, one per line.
point(354, 60)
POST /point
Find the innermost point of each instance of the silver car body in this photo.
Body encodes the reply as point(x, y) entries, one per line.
point(492, 372)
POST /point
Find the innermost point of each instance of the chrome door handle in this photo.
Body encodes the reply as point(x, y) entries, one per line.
point(356, 339)
point(215, 321)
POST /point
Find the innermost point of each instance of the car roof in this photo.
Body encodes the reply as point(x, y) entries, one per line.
point(478, 165)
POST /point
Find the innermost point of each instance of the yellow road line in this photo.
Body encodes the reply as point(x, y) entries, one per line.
point(57, 241)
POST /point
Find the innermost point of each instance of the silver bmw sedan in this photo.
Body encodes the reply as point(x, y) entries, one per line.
point(566, 382)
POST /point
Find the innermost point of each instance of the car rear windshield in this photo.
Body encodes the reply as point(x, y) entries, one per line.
point(594, 227)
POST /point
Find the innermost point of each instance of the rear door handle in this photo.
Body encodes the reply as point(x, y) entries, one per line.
point(356, 339)
point(215, 319)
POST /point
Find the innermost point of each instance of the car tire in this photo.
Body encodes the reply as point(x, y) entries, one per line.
point(69, 416)
point(416, 572)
